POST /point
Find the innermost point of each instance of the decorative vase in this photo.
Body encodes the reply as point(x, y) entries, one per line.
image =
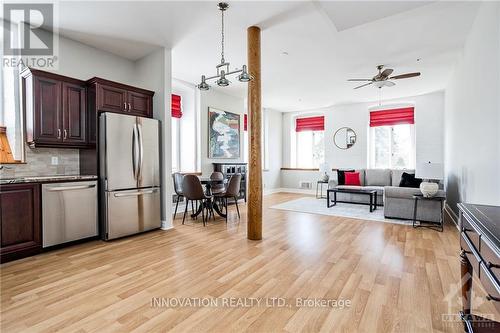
point(429, 189)
point(325, 177)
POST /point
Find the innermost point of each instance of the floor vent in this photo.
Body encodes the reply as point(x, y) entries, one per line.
point(305, 185)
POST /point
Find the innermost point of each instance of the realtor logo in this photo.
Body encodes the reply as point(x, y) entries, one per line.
point(35, 35)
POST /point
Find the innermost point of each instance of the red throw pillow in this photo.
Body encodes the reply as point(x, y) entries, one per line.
point(352, 178)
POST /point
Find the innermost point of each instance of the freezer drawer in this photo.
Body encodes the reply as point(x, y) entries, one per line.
point(69, 212)
point(131, 211)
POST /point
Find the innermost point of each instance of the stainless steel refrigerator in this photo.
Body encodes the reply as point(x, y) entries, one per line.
point(129, 162)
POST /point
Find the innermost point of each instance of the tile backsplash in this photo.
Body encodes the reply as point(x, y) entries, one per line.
point(39, 163)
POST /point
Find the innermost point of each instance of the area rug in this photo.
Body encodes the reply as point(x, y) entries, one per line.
point(318, 206)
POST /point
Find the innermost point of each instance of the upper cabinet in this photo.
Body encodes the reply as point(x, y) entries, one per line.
point(55, 110)
point(62, 112)
point(116, 97)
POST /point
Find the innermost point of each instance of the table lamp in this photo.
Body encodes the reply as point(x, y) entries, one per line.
point(429, 173)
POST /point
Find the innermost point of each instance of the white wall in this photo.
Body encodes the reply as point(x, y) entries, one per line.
point(189, 125)
point(429, 118)
point(272, 175)
point(154, 72)
point(83, 62)
point(218, 100)
point(472, 120)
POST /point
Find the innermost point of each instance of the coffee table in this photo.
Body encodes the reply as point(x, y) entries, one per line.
point(371, 193)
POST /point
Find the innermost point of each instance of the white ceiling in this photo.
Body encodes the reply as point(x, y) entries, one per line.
point(327, 42)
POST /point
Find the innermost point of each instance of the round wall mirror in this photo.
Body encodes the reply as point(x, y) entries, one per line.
point(344, 138)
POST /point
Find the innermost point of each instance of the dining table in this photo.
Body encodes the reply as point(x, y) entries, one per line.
point(208, 183)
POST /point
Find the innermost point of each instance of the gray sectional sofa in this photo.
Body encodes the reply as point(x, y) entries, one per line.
point(397, 201)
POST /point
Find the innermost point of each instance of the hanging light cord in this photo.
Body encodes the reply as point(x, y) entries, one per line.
point(222, 40)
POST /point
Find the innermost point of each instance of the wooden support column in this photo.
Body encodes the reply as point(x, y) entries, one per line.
point(254, 204)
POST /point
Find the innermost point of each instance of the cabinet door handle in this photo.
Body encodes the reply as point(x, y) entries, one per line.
point(125, 106)
point(129, 108)
point(58, 133)
point(65, 136)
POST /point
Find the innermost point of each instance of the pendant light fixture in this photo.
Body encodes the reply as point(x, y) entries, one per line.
point(223, 68)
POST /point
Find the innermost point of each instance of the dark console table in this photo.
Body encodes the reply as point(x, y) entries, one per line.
point(480, 255)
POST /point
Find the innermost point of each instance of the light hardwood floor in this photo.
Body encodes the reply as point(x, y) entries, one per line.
point(397, 278)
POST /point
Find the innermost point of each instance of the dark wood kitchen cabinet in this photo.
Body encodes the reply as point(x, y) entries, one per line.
point(55, 110)
point(20, 221)
point(105, 95)
point(74, 113)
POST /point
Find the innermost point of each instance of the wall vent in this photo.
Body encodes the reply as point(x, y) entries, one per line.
point(305, 185)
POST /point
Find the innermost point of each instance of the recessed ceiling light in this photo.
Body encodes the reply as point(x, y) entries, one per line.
point(284, 53)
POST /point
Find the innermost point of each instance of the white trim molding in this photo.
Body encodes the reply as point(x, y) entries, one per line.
point(451, 214)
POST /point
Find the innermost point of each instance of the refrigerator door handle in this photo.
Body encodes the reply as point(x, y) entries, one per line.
point(134, 194)
point(141, 151)
point(135, 152)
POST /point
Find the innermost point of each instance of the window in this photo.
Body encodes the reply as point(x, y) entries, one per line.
point(11, 117)
point(310, 142)
point(185, 127)
point(175, 145)
point(392, 139)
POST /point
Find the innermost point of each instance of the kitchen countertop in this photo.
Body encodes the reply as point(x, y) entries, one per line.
point(47, 179)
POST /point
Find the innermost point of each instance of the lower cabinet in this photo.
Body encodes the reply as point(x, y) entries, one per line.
point(20, 221)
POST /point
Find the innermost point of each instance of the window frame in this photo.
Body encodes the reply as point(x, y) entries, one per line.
point(294, 139)
point(371, 147)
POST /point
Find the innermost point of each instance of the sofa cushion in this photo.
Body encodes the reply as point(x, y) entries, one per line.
point(377, 177)
point(349, 187)
point(409, 180)
point(396, 175)
point(379, 189)
point(341, 176)
point(352, 178)
point(404, 192)
point(361, 176)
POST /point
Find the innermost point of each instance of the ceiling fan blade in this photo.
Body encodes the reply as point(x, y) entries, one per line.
point(363, 85)
point(359, 80)
point(387, 72)
point(404, 76)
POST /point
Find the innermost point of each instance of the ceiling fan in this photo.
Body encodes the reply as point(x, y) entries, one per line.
point(382, 78)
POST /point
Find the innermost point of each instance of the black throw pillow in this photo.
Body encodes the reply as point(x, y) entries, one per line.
point(409, 180)
point(341, 176)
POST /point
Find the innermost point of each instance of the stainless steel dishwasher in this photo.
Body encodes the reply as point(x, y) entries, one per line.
point(69, 212)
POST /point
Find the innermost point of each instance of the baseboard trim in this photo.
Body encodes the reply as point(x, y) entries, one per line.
point(166, 225)
point(272, 191)
point(451, 215)
point(294, 190)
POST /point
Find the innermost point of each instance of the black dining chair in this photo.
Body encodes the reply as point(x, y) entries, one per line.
point(192, 190)
point(177, 178)
point(232, 191)
point(216, 186)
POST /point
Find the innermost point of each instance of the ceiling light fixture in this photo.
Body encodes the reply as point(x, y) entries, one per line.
point(223, 67)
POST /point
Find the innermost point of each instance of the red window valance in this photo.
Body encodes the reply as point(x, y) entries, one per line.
point(392, 117)
point(245, 122)
point(310, 124)
point(176, 106)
